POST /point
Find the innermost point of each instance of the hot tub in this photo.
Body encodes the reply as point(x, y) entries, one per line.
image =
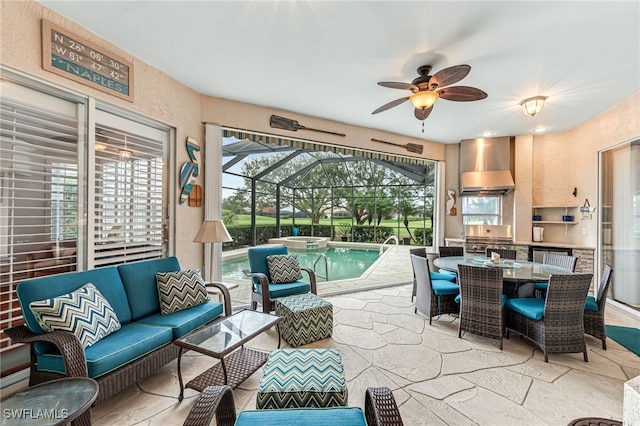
point(301, 243)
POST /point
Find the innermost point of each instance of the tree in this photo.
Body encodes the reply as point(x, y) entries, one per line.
point(406, 209)
point(237, 202)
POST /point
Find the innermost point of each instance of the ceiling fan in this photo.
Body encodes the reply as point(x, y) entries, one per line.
point(428, 88)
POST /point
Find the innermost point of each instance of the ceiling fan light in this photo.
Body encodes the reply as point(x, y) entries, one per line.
point(532, 106)
point(424, 99)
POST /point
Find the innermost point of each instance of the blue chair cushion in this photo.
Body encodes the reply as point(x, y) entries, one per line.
point(106, 280)
point(443, 288)
point(529, 307)
point(131, 342)
point(503, 299)
point(442, 275)
point(542, 286)
point(139, 281)
point(289, 289)
point(591, 304)
point(182, 322)
point(258, 258)
point(336, 416)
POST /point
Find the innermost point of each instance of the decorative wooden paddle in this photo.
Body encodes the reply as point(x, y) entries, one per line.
point(278, 122)
point(411, 147)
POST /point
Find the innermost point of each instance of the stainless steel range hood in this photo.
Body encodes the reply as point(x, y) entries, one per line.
point(486, 166)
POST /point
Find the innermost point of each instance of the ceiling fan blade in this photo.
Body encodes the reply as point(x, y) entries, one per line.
point(391, 104)
point(398, 85)
point(449, 76)
point(461, 93)
point(422, 114)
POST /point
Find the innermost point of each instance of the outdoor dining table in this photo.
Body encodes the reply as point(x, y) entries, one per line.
point(514, 271)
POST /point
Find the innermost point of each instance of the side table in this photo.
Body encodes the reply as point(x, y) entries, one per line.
point(56, 402)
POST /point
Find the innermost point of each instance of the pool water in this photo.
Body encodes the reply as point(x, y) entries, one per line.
point(343, 263)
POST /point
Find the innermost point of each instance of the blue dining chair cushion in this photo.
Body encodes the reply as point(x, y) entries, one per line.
point(542, 286)
point(591, 304)
point(442, 275)
point(529, 307)
point(443, 288)
point(503, 300)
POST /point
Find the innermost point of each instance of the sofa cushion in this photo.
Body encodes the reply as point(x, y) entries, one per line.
point(336, 416)
point(83, 312)
point(529, 307)
point(187, 320)
point(131, 342)
point(281, 290)
point(106, 280)
point(180, 290)
point(139, 281)
point(284, 268)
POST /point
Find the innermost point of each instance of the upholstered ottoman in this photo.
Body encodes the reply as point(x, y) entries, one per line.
point(305, 318)
point(297, 378)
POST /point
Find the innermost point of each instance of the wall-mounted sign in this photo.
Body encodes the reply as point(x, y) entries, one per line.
point(73, 57)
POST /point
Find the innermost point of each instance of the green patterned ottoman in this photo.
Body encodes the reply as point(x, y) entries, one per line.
point(305, 318)
point(297, 378)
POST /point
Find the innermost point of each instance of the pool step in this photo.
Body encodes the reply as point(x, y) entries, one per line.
point(313, 246)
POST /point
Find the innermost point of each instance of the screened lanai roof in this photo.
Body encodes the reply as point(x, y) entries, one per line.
point(301, 157)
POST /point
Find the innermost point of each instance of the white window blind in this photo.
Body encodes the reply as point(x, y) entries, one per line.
point(130, 201)
point(38, 191)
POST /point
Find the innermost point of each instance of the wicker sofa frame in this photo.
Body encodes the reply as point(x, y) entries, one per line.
point(76, 365)
point(481, 311)
point(561, 330)
point(594, 321)
point(380, 408)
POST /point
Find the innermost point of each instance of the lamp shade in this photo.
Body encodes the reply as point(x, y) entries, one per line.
point(424, 99)
point(532, 106)
point(212, 231)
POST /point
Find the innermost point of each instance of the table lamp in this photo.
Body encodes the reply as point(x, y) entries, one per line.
point(212, 231)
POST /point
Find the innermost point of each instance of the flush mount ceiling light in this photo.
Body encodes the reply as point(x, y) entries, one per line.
point(532, 106)
point(487, 134)
point(539, 129)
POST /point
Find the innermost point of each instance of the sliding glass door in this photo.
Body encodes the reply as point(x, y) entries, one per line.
point(620, 220)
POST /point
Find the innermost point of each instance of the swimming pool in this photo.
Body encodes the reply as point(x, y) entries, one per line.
point(342, 262)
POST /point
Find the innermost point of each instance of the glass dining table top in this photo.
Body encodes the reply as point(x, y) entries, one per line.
point(513, 270)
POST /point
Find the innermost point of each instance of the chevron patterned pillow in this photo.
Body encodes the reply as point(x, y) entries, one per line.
point(180, 290)
point(84, 312)
point(284, 268)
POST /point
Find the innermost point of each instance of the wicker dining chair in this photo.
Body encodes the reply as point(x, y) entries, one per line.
point(504, 253)
point(594, 309)
point(481, 302)
point(555, 259)
point(441, 275)
point(555, 324)
point(433, 297)
point(450, 251)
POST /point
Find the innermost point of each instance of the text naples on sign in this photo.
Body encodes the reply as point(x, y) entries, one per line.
point(73, 57)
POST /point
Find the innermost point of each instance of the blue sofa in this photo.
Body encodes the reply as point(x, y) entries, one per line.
point(142, 345)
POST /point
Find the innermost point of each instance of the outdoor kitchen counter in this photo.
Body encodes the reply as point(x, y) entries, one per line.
point(552, 244)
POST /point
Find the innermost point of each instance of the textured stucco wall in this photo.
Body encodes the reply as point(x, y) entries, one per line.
point(155, 95)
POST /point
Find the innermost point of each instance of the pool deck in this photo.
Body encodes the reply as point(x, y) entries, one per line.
point(393, 268)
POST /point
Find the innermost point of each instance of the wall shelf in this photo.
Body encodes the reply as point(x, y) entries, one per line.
point(552, 212)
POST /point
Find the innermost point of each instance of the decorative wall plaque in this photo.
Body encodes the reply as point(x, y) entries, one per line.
point(71, 56)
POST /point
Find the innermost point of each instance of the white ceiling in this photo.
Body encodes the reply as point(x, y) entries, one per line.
point(324, 59)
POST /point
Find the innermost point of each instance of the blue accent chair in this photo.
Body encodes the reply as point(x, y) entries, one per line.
point(263, 290)
point(380, 409)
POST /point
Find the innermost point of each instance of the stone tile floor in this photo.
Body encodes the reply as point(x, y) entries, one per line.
point(436, 377)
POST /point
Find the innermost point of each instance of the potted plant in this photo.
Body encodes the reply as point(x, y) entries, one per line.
point(345, 231)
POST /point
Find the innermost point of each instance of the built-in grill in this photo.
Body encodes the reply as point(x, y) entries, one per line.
point(478, 238)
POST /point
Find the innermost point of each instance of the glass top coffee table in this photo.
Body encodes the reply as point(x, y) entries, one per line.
point(225, 341)
point(51, 403)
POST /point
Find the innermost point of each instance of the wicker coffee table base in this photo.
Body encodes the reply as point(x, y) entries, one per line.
point(232, 370)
